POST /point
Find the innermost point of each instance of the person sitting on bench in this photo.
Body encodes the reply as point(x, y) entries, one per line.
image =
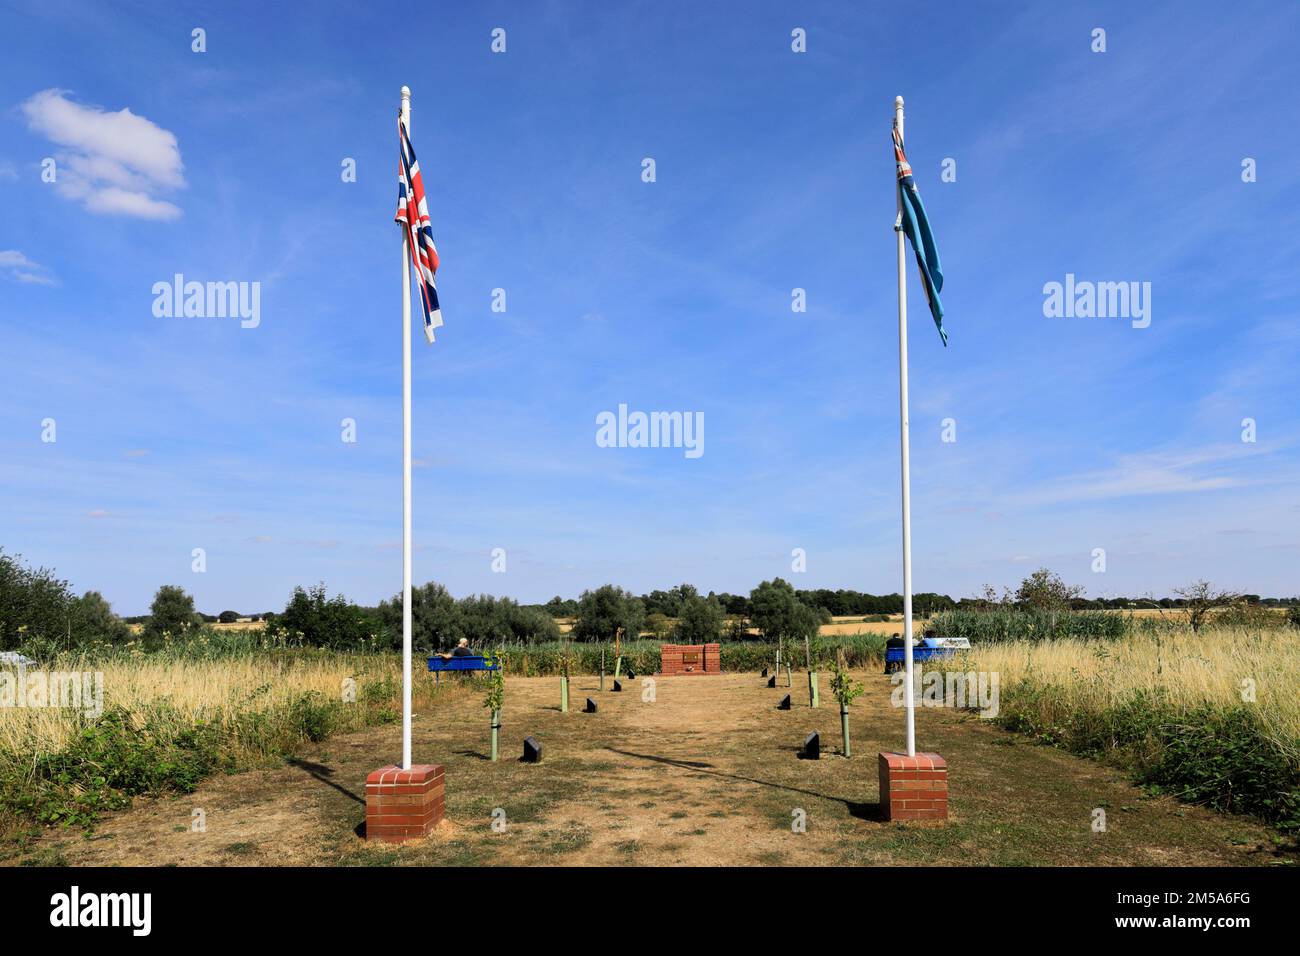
point(896, 641)
point(461, 650)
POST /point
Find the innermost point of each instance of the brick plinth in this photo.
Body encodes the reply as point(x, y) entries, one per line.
point(403, 804)
point(913, 788)
point(690, 659)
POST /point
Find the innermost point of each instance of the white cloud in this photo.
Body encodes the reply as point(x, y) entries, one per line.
point(1212, 468)
point(114, 163)
point(19, 267)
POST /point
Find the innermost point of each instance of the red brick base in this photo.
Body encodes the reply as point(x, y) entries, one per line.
point(913, 788)
point(403, 804)
point(690, 659)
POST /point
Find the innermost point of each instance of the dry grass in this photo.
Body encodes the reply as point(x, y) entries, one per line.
point(196, 690)
point(707, 774)
point(1213, 667)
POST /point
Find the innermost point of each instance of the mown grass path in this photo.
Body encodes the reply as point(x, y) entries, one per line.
point(707, 774)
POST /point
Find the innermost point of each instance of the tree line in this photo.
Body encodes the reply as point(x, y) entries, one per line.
point(39, 610)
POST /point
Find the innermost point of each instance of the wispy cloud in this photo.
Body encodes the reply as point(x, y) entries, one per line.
point(113, 163)
point(1152, 473)
point(18, 266)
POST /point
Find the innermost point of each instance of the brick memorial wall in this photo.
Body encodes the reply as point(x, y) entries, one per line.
point(690, 659)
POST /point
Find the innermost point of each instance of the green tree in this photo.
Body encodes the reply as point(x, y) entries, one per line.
point(779, 614)
point(35, 605)
point(315, 618)
point(659, 625)
point(172, 613)
point(807, 624)
point(603, 611)
point(561, 607)
point(699, 621)
point(773, 605)
point(228, 617)
point(1044, 590)
point(95, 620)
point(484, 619)
point(435, 618)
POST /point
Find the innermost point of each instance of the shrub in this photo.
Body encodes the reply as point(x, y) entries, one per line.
point(312, 716)
point(1212, 755)
point(172, 614)
point(107, 762)
point(315, 619)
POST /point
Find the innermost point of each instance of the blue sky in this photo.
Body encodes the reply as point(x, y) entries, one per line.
point(773, 172)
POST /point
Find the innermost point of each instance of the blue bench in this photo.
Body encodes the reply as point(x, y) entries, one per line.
point(437, 665)
point(924, 650)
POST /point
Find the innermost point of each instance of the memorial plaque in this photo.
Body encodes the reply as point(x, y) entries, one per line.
point(771, 681)
point(785, 703)
point(812, 746)
point(590, 708)
point(618, 686)
point(532, 750)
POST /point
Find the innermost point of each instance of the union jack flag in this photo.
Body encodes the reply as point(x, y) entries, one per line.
point(413, 213)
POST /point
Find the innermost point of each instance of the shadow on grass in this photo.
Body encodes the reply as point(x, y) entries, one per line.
point(323, 774)
point(472, 753)
point(859, 811)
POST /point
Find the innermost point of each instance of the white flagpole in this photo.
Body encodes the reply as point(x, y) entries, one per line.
point(909, 697)
point(406, 472)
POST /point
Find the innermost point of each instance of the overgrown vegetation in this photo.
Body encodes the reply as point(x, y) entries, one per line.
point(1211, 717)
point(1012, 624)
point(225, 713)
point(38, 610)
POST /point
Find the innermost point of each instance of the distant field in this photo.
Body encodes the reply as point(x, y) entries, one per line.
point(233, 626)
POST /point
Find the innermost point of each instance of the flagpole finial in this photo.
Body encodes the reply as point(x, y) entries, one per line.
point(406, 92)
point(898, 101)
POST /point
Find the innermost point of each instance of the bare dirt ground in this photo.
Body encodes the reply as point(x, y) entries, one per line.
point(706, 774)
